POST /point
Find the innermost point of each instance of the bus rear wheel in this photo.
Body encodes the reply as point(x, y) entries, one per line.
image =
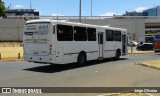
point(118, 54)
point(81, 60)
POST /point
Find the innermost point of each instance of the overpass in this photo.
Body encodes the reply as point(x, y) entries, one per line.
point(11, 28)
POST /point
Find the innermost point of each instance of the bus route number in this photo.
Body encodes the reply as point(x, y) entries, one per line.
point(43, 26)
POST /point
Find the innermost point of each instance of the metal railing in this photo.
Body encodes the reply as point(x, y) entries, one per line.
point(10, 45)
point(83, 17)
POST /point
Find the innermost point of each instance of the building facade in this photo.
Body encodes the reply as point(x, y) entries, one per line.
point(155, 11)
point(134, 13)
point(21, 13)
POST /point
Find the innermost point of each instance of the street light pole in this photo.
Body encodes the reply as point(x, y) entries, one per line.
point(91, 9)
point(79, 10)
point(30, 4)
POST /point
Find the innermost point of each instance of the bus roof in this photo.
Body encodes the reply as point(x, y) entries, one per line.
point(73, 23)
point(39, 20)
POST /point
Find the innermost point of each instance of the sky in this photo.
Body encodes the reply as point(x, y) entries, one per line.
point(71, 7)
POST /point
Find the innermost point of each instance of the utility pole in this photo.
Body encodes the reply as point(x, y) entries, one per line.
point(30, 4)
point(80, 10)
point(91, 9)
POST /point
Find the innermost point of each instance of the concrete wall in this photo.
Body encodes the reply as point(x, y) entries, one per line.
point(11, 29)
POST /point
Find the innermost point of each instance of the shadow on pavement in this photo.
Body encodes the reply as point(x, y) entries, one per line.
point(58, 67)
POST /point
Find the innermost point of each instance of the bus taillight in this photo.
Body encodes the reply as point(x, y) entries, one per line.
point(50, 47)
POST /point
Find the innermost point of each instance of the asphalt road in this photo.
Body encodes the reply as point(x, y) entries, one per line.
point(106, 73)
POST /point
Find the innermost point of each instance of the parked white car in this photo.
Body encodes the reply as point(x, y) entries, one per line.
point(133, 43)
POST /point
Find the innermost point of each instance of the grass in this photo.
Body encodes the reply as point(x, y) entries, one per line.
point(9, 52)
point(130, 94)
point(152, 63)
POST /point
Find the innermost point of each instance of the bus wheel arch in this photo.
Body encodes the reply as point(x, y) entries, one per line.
point(82, 58)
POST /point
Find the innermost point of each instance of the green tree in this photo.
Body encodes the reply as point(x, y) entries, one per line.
point(2, 9)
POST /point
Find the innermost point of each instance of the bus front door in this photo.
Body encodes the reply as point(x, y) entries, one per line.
point(124, 44)
point(100, 43)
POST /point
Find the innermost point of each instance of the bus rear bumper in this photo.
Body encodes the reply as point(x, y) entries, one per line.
point(39, 59)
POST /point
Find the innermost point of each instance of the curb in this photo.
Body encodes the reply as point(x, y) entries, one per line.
point(142, 53)
point(11, 60)
point(147, 65)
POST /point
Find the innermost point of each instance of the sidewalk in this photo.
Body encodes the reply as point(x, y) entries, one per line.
point(139, 52)
point(150, 63)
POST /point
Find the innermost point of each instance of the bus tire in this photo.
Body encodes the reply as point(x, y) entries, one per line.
point(118, 54)
point(81, 60)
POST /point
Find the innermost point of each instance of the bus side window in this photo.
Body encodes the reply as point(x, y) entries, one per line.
point(117, 35)
point(80, 33)
point(109, 35)
point(64, 33)
point(91, 34)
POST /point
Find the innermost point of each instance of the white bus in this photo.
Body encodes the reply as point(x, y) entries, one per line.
point(61, 42)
